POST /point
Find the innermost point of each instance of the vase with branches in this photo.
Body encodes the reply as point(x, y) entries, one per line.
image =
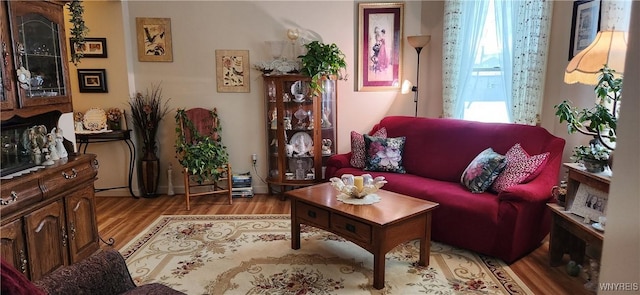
point(147, 110)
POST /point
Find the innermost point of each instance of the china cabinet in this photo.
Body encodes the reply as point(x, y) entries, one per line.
point(301, 129)
point(35, 67)
point(48, 217)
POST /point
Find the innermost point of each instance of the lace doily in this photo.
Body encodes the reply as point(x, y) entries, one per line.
point(367, 200)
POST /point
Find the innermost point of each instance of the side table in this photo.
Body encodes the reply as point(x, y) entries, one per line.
point(114, 135)
point(569, 233)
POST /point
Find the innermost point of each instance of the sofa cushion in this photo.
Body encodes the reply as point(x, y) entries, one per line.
point(520, 167)
point(482, 171)
point(357, 146)
point(384, 154)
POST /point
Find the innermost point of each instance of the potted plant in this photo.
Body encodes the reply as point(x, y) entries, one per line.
point(599, 121)
point(204, 154)
point(147, 110)
point(321, 60)
point(594, 156)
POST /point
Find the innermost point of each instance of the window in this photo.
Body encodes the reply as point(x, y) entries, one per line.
point(485, 93)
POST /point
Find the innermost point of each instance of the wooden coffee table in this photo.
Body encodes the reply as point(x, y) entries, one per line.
point(377, 228)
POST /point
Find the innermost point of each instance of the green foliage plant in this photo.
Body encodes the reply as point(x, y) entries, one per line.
point(204, 155)
point(321, 60)
point(598, 121)
point(79, 29)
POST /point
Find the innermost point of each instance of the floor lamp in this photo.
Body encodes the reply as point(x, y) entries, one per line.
point(417, 42)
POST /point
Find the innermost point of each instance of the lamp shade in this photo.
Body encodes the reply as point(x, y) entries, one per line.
point(407, 86)
point(419, 41)
point(609, 47)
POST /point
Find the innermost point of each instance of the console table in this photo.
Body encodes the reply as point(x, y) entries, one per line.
point(569, 233)
point(114, 135)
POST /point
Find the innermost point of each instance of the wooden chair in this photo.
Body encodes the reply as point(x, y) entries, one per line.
point(194, 125)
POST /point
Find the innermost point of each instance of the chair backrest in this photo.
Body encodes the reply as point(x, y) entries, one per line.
point(204, 122)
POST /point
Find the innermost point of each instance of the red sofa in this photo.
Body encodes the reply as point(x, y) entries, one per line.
point(507, 225)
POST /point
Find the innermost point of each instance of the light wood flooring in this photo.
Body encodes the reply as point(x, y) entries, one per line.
point(123, 218)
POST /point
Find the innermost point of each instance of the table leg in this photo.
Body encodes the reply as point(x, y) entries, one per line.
point(378, 270)
point(425, 242)
point(295, 227)
point(132, 158)
point(558, 239)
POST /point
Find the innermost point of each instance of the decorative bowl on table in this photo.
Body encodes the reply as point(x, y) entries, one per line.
point(346, 186)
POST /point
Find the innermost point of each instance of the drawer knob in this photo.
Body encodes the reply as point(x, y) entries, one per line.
point(311, 214)
point(74, 174)
point(11, 199)
point(351, 228)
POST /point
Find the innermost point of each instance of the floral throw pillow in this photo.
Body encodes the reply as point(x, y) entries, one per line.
point(384, 154)
point(520, 168)
point(482, 171)
point(357, 146)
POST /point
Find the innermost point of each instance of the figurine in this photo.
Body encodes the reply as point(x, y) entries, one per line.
point(326, 146)
point(274, 119)
point(51, 145)
point(62, 151)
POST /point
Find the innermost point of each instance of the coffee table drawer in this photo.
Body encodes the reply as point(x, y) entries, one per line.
point(313, 215)
point(351, 229)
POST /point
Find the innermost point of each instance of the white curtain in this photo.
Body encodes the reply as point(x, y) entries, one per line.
point(523, 29)
point(463, 24)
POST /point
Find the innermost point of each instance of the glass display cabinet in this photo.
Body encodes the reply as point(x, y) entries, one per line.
point(301, 130)
point(35, 64)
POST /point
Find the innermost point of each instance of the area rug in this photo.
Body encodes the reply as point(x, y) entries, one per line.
point(251, 254)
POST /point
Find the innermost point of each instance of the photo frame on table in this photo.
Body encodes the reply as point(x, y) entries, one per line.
point(154, 39)
point(585, 24)
point(589, 202)
point(92, 47)
point(92, 80)
point(380, 35)
point(232, 70)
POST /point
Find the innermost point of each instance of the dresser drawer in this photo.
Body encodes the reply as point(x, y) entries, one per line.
point(21, 195)
point(60, 179)
point(351, 229)
point(314, 215)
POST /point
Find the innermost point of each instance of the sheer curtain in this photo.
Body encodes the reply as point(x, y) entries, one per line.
point(522, 29)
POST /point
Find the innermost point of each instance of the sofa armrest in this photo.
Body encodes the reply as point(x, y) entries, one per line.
point(104, 272)
point(536, 191)
point(336, 162)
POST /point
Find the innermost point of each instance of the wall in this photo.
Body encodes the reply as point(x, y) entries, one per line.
point(201, 27)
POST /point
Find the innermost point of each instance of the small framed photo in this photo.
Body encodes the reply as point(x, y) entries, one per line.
point(232, 70)
point(380, 46)
point(589, 202)
point(92, 80)
point(154, 39)
point(585, 24)
point(92, 47)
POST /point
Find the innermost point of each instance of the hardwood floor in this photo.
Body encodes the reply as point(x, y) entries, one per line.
point(123, 218)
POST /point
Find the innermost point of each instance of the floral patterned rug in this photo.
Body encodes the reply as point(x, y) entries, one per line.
point(251, 254)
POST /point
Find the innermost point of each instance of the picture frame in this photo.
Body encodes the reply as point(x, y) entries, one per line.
point(232, 70)
point(153, 36)
point(380, 35)
point(92, 80)
point(92, 47)
point(585, 24)
point(589, 202)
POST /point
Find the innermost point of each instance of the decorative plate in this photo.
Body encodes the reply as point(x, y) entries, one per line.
point(299, 90)
point(302, 143)
point(95, 119)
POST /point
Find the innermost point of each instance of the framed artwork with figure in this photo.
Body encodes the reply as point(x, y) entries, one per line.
point(380, 46)
point(585, 24)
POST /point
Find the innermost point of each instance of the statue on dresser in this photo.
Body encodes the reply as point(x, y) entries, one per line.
point(62, 151)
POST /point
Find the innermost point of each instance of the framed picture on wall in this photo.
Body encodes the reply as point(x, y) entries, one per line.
point(232, 70)
point(585, 24)
point(380, 46)
point(154, 39)
point(92, 47)
point(92, 80)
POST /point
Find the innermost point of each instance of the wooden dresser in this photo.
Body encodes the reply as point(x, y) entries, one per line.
point(48, 217)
